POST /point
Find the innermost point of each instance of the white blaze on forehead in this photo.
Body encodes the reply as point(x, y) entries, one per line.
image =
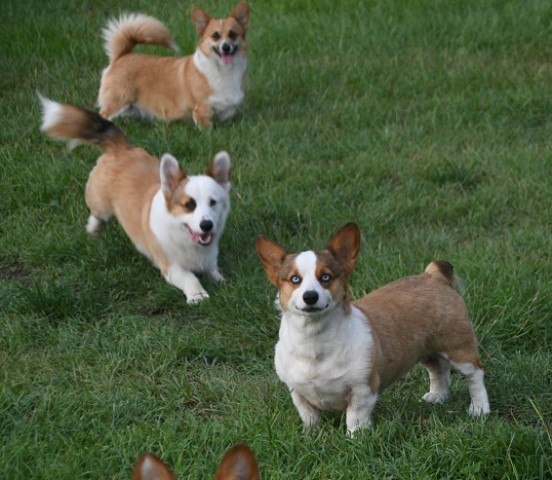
point(306, 264)
point(203, 188)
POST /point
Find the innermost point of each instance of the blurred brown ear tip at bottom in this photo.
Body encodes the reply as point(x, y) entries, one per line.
point(239, 463)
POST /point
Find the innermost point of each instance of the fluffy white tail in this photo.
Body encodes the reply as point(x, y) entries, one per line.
point(122, 34)
point(76, 125)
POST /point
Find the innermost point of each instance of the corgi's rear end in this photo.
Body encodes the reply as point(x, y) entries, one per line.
point(424, 318)
point(124, 178)
point(239, 463)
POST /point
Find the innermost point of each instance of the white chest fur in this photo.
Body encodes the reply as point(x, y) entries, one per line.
point(324, 359)
point(226, 81)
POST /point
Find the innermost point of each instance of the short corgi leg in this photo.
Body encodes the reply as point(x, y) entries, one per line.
point(308, 413)
point(478, 393)
point(439, 378)
point(187, 282)
point(215, 274)
point(360, 407)
point(94, 225)
point(202, 115)
point(96, 222)
point(97, 201)
point(110, 102)
point(111, 111)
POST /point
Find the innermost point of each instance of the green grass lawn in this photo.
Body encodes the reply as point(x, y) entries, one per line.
point(429, 124)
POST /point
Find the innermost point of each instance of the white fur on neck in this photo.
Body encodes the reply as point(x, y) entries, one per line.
point(226, 82)
point(324, 358)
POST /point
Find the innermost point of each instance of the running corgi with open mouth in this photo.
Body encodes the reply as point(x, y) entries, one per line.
point(336, 354)
point(206, 85)
point(174, 219)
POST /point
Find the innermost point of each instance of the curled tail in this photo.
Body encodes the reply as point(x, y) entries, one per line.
point(444, 270)
point(76, 125)
point(122, 34)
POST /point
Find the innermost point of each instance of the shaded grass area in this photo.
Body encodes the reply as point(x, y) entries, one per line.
point(429, 127)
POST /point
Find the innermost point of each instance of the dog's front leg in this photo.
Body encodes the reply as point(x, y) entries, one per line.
point(359, 409)
point(187, 282)
point(308, 413)
point(215, 274)
point(202, 115)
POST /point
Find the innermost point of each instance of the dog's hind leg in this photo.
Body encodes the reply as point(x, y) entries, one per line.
point(473, 371)
point(100, 210)
point(112, 110)
point(111, 101)
point(94, 224)
point(438, 368)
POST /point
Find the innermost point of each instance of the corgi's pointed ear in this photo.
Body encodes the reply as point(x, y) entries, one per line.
point(272, 257)
point(239, 463)
point(345, 245)
point(149, 467)
point(220, 169)
point(241, 14)
point(170, 174)
point(200, 19)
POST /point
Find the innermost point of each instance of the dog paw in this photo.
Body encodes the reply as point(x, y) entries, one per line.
point(216, 276)
point(311, 427)
point(432, 397)
point(356, 429)
point(477, 410)
point(201, 117)
point(197, 298)
point(94, 225)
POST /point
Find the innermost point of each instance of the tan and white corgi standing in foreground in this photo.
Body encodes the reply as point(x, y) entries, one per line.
point(208, 84)
point(174, 219)
point(239, 463)
point(335, 354)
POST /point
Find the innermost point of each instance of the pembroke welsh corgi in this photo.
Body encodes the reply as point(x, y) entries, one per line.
point(335, 354)
point(238, 463)
point(174, 219)
point(208, 84)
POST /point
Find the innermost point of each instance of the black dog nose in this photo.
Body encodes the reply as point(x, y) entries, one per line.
point(310, 297)
point(206, 225)
point(226, 48)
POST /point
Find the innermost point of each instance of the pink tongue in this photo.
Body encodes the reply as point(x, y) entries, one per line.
point(227, 59)
point(199, 237)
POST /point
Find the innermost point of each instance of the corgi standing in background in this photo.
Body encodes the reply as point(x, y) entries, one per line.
point(174, 219)
point(206, 85)
point(239, 463)
point(334, 354)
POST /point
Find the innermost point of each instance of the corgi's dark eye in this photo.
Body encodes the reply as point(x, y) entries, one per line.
point(295, 279)
point(325, 277)
point(212, 203)
point(232, 35)
point(190, 205)
point(216, 36)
